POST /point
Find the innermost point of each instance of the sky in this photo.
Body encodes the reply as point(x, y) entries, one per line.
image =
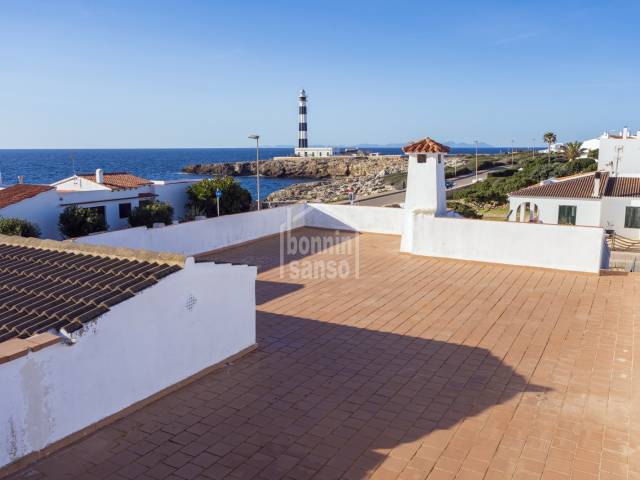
point(134, 74)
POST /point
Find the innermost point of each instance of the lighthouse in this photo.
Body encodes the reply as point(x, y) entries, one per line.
point(303, 149)
point(302, 120)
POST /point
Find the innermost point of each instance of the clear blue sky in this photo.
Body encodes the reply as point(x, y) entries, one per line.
point(207, 73)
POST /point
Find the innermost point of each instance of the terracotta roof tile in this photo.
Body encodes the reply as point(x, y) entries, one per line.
point(19, 192)
point(582, 187)
point(119, 180)
point(43, 289)
point(426, 145)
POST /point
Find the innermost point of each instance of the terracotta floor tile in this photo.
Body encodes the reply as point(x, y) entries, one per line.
point(419, 368)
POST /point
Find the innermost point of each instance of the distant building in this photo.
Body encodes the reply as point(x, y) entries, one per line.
point(303, 149)
point(112, 195)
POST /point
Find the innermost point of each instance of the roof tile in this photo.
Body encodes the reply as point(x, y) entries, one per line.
point(19, 192)
point(582, 187)
point(426, 145)
point(119, 180)
point(43, 288)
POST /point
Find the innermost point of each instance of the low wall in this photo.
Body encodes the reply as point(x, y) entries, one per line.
point(528, 244)
point(356, 218)
point(195, 237)
point(199, 317)
point(199, 236)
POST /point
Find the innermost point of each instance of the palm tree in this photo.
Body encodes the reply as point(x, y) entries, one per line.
point(572, 150)
point(549, 138)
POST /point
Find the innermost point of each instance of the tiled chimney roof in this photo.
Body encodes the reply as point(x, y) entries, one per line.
point(582, 187)
point(426, 145)
point(118, 180)
point(19, 192)
point(48, 285)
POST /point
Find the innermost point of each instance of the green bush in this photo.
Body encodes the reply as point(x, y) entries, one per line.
point(75, 221)
point(202, 196)
point(18, 227)
point(463, 209)
point(149, 213)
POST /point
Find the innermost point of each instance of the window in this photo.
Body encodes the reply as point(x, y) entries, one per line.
point(567, 215)
point(632, 217)
point(422, 158)
point(124, 210)
point(99, 210)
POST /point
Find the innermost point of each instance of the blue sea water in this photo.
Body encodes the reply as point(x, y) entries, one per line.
point(47, 166)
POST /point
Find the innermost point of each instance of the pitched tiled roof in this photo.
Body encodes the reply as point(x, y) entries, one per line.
point(44, 288)
point(19, 192)
point(426, 145)
point(582, 187)
point(118, 180)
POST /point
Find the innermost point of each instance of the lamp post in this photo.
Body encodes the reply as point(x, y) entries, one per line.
point(476, 142)
point(511, 153)
point(257, 139)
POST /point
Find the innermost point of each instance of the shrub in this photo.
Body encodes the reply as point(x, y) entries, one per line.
point(75, 221)
point(202, 196)
point(18, 227)
point(463, 209)
point(149, 213)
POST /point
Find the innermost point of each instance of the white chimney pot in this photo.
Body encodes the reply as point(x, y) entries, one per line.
point(99, 175)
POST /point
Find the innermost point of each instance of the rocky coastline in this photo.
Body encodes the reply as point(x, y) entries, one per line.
point(364, 175)
point(306, 167)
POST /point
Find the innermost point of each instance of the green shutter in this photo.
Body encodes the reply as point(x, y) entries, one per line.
point(567, 214)
point(632, 217)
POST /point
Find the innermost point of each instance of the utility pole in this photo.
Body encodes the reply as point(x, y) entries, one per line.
point(257, 139)
point(476, 142)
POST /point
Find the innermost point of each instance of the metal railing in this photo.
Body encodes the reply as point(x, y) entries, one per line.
point(618, 243)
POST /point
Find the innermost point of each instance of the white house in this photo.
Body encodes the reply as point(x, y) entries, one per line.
point(313, 152)
point(115, 194)
point(35, 203)
point(609, 198)
point(592, 199)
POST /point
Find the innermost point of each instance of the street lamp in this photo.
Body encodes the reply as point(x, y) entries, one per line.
point(511, 153)
point(476, 142)
point(257, 139)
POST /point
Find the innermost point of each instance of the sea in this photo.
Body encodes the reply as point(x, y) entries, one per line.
point(47, 166)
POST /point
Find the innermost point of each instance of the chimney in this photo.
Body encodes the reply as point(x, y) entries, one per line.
point(625, 132)
point(99, 175)
point(596, 185)
point(20, 179)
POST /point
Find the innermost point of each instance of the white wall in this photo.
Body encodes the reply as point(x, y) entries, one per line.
point(629, 164)
point(79, 184)
point(529, 244)
point(613, 214)
point(356, 218)
point(189, 321)
point(175, 193)
point(43, 210)
point(587, 209)
point(200, 236)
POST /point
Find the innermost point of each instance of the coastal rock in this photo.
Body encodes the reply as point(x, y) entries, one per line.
point(307, 167)
point(332, 190)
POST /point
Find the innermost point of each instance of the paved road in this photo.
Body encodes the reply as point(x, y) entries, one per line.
point(385, 199)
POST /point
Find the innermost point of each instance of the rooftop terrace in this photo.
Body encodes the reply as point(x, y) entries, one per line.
point(420, 368)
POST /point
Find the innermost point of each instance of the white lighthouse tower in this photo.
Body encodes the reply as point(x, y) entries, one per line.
point(302, 120)
point(426, 190)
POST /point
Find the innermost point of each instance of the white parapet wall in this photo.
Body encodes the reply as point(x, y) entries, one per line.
point(562, 247)
point(189, 321)
point(356, 218)
point(199, 236)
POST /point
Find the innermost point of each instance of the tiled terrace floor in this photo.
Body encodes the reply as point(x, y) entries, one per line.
point(421, 368)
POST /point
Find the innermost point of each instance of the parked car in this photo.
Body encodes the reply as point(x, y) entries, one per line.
point(449, 184)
